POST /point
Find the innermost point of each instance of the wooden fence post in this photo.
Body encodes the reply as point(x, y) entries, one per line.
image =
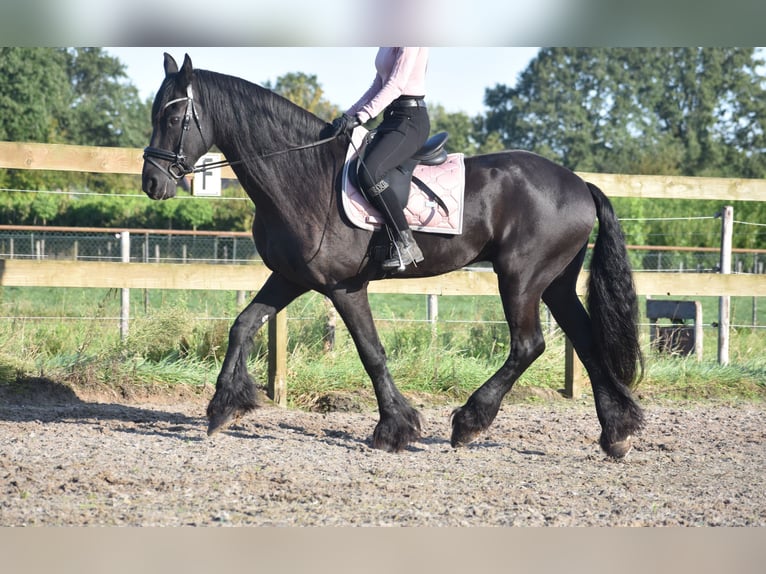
point(330, 326)
point(574, 373)
point(277, 381)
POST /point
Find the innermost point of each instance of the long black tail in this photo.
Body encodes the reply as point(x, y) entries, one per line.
point(612, 301)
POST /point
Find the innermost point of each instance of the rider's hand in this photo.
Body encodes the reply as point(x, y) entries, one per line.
point(344, 124)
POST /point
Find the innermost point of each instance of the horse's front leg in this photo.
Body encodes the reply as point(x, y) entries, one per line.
point(235, 391)
point(399, 423)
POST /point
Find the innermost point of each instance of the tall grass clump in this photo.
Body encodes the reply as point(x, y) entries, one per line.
point(166, 334)
point(683, 377)
point(180, 338)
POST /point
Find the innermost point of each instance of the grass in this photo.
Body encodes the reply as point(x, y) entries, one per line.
point(685, 378)
point(180, 338)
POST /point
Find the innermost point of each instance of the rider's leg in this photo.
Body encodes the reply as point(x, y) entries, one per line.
point(398, 137)
point(406, 250)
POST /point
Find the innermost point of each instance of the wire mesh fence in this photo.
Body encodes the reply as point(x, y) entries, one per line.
point(691, 260)
point(177, 246)
point(145, 246)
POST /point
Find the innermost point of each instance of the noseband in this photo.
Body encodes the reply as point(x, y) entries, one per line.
point(178, 167)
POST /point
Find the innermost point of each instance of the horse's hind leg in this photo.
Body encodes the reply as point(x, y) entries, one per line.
point(527, 343)
point(399, 422)
point(235, 390)
point(619, 415)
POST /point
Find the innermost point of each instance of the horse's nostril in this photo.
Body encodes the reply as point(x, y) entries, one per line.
point(151, 186)
point(148, 184)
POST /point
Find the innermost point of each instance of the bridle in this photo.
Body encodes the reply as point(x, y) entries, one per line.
point(178, 166)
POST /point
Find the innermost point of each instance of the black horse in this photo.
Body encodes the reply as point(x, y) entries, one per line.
point(528, 216)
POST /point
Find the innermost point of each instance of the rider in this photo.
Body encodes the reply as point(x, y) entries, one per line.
point(398, 91)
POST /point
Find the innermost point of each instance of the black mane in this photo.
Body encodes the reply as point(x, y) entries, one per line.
point(256, 111)
point(252, 121)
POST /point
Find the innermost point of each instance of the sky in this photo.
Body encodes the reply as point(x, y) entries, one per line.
point(457, 76)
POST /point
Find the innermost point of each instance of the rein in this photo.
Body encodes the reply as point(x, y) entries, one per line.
point(225, 162)
point(178, 168)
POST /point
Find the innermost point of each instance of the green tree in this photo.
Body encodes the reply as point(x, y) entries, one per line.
point(195, 213)
point(687, 111)
point(306, 91)
point(77, 96)
point(34, 102)
point(459, 127)
point(465, 134)
point(692, 111)
point(105, 109)
point(34, 95)
point(45, 207)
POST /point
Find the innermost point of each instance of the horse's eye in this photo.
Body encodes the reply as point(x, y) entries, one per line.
point(174, 121)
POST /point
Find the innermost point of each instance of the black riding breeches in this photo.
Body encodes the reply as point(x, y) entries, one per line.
point(400, 135)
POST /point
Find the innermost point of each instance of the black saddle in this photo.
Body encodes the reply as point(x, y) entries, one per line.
point(400, 178)
point(433, 152)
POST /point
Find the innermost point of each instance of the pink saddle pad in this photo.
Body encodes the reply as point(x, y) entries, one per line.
point(423, 213)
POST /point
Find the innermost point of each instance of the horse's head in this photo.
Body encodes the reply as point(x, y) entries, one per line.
point(177, 137)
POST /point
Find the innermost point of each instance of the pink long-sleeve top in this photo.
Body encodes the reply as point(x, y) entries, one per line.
point(400, 71)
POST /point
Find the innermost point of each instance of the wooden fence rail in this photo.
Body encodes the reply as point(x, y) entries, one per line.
point(114, 275)
point(16, 155)
point(51, 273)
point(60, 157)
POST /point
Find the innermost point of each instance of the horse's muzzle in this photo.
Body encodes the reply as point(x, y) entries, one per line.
point(163, 187)
point(156, 183)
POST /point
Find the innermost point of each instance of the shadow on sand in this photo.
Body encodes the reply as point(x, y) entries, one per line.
point(44, 400)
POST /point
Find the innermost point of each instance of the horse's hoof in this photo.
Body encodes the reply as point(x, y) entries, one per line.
point(395, 434)
point(219, 421)
point(463, 431)
point(462, 437)
point(387, 446)
point(619, 449)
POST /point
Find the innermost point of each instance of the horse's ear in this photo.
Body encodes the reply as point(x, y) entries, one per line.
point(170, 65)
point(185, 77)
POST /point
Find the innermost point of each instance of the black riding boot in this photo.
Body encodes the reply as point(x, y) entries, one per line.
point(406, 250)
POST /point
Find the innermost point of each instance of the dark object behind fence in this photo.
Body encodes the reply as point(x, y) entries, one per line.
point(678, 338)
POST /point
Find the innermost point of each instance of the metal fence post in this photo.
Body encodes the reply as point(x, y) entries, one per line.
point(724, 302)
point(432, 314)
point(125, 299)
